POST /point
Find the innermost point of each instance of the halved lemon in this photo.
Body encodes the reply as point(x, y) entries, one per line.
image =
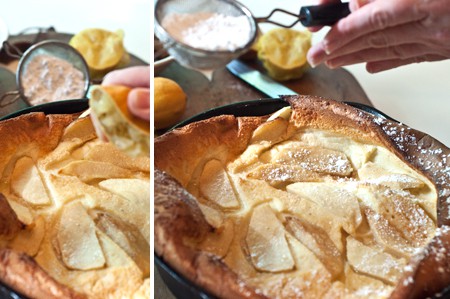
point(109, 111)
point(102, 49)
point(283, 52)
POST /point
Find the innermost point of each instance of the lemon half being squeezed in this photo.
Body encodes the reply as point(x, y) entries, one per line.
point(114, 122)
point(283, 52)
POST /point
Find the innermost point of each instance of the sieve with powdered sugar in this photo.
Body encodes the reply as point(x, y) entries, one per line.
point(49, 71)
point(207, 34)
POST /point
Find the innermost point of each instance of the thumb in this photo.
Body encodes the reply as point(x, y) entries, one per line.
point(139, 102)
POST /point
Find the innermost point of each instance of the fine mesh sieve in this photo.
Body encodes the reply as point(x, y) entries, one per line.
point(52, 48)
point(200, 59)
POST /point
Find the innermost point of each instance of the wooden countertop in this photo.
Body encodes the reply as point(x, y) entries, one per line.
point(225, 88)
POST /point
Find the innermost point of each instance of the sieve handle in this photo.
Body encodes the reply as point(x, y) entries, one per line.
point(15, 96)
point(323, 15)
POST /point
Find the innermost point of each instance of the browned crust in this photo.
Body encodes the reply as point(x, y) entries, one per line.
point(31, 135)
point(333, 115)
point(180, 151)
point(20, 272)
point(431, 271)
point(179, 154)
point(316, 112)
point(10, 224)
point(179, 225)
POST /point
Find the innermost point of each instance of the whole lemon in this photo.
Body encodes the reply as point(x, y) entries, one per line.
point(169, 102)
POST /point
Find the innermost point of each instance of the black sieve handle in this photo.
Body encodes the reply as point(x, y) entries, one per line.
point(323, 15)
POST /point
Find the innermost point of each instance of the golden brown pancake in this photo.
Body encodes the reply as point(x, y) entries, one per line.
point(320, 200)
point(77, 209)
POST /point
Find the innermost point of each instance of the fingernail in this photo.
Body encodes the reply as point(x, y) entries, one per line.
point(139, 103)
point(326, 48)
point(312, 63)
point(330, 64)
point(316, 55)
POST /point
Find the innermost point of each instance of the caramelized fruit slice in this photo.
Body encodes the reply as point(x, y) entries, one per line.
point(372, 287)
point(397, 181)
point(77, 239)
point(397, 221)
point(284, 113)
point(271, 131)
point(283, 173)
point(374, 174)
point(357, 153)
point(342, 203)
point(23, 212)
point(87, 171)
point(266, 241)
point(313, 158)
point(216, 186)
point(318, 241)
point(213, 217)
point(406, 216)
point(135, 200)
point(27, 183)
point(386, 235)
point(127, 237)
point(373, 262)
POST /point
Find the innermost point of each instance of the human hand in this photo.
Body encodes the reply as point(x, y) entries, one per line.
point(386, 34)
point(138, 78)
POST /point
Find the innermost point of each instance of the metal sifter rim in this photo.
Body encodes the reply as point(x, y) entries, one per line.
point(70, 54)
point(159, 29)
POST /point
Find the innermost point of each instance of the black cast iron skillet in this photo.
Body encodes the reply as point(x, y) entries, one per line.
point(60, 107)
point(181, 287)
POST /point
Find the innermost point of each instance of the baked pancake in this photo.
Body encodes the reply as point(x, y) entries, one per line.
point(319, 200)
point(75, 211)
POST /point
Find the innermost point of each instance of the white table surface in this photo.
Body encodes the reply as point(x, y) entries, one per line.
point(134, 17)
point(417, 95)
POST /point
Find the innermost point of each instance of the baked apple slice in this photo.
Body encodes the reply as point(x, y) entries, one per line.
point(266, 241)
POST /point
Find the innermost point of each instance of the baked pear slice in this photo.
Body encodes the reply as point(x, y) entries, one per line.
point(266, 241)
point(77, 239)
point(114, 123)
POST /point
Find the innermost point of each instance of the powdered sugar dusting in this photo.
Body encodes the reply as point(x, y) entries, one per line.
point(426, 153)
point(209, 31)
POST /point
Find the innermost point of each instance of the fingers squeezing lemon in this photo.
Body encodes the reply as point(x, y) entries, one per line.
point(113, 121)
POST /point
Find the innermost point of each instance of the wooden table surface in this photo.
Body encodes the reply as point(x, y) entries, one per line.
point(224, 88)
